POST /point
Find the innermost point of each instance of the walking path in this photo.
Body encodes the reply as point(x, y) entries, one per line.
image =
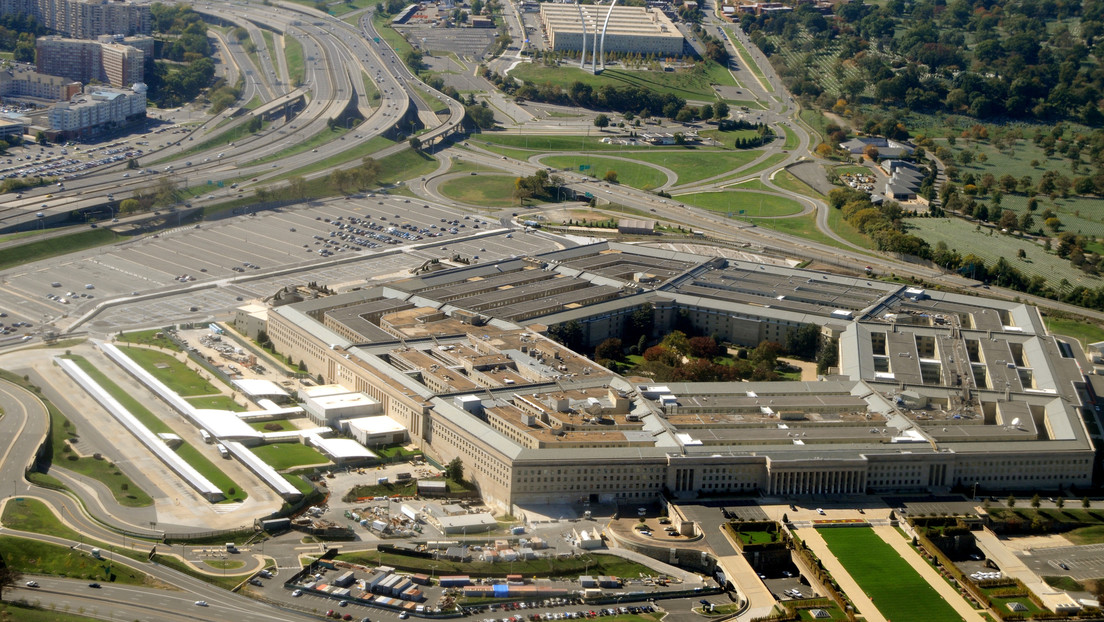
point(893, 538)
point(862, 602)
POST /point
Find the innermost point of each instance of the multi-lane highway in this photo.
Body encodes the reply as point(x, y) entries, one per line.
point(338, 59)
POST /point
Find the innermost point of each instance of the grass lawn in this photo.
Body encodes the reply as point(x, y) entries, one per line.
point(846, 230)
point(728, 139)
point(28, 613)
point(32, 515)
point(216, 402)
point(965, 237)
point(548, 567)
point(149, 338)
point(1064, 583)
point(817, 122)
point(168, 369)
point(755, 537)
point(55, 247)
point(634, 174)
point(771, 161)
point(31, 556)
point(897, 590)
point(791, 138)
point(1093, 534)
point(224, 564)
point(687, 84)
point(394, 40)
point(754, 204)
point(293, 52)
point(288, 455)
point(1081, 330)
point(371, 90)
point(282, 425)
point(484, 190)
point(361, 491)
point(397, 453)
point(692, 166)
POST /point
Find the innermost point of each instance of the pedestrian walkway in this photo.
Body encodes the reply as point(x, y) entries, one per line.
point(858, 597)
point(893, 538)
point(1013, 566)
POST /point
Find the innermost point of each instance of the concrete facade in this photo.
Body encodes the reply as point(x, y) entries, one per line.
point(933, 390)
point(84, 19)
point(631, 30)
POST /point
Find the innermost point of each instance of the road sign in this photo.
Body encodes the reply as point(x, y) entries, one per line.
point(220, 183)
point(584, 167)
point(588, 195)
point(376, 39)
point(741, 211)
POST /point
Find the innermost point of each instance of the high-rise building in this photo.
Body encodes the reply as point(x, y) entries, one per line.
point(34, 85)
point(105, 60)
point(84, 19)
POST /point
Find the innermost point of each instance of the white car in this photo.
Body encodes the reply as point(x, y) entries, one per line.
point(201, 603)
point(32, 584)
point(297, 593)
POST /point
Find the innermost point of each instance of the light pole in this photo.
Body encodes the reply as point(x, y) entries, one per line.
point(974, 495)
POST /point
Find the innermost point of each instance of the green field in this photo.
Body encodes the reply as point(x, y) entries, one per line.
point(149, 338)
point(787, 181)
point(692, 166)
point(282, 456)
point(54, 247)
point(897, 590)
point(282, 424)
point(176, 375)
point(30, 556)
point(544, 144)
point(482, 190)
point(991, 245)
point(769, 162)
point(293, 53)
point(302, 146)
point(216, 402)
point(629, 173)
point(754, 204)
point(1082, 330)
point(355, 154)
point(28, 613)
point(687, 84)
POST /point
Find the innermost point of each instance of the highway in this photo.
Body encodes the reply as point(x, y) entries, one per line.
point(337, 56)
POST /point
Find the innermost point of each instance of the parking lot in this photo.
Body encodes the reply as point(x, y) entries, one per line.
point(343, 244)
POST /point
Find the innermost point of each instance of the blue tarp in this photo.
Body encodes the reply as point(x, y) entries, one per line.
point(501, 590)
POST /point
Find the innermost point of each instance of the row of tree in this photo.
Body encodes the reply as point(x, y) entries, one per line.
point(987, 58)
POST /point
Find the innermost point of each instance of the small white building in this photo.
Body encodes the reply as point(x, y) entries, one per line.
point(328, 408)
point(342, 450)
point(376, 431)
point(257, 389)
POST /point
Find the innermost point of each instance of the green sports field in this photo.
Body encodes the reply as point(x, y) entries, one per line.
point(897, 590)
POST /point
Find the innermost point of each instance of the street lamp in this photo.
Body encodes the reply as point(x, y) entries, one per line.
point(974, 495)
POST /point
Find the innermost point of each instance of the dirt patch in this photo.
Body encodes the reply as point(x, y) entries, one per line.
point(808, 370)
point(1026, 543)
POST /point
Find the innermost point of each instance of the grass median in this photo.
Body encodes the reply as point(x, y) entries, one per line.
point(282, 456)
point(43, 558)
point(176, 375)
point(55, 247)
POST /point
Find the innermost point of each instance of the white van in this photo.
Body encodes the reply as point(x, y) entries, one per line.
point(225, 453)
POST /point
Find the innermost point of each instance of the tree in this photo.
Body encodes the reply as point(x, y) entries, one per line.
point(1035, 502)
point(1086, 502)
point(415, 143)
point(9, 577)
point(608, 350)
point(601, 121)
point(1011, 501)
point(720, 110)
point(611, 176)
point(1060, 502)
point(455, 470)
point(704, 347)
point(40, 137)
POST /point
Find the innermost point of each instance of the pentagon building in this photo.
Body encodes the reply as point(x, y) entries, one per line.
point(932, 389)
